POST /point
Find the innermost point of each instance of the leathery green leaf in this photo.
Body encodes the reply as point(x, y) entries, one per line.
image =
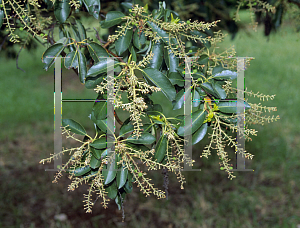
point(161, 81)
point(230, 106)
point(122, 177)
point(94, 162)
point(52, 52)
point(112, 18)
point(197, 120)
point(81, 30)
point(93, 6)
point(100, 110)
point(145, 138)
point(112, 190)
point(125, 129)
point(1, 17)
point(92, 82)
point(199, 134)
point(219, 90)
point(81, 66)
point(62, 10)
point(161, 148)
point(179, 100)
point(97, 51)
point(175, 78)
point(137, 147)
point(207, 86)
point(163, 34)
point(100, 67)
point(79, 171)
point(71, 60)
point(123, 42)
point(157, 50)
point(171, 60)
point(97, 153)
point(225, 75)
point(111, 171)
point(99, 143)
point(138, 39)
point(195, 98)
point(74, 126)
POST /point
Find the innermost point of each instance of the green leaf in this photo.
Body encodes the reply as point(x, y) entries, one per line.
point(112, 18)
point(133, 53)
point(94, 162)
point(219, 90)
point(97, 51)
point(203, 60)
point(99, 143)
point(71, 60)
point(79, 171)
point(111, 171)
point(75, 33)
point(122, 177)
point(197, 120)
point(93, 6)
point(81, 66)
point(179, 100)
point(137, 147)
point(127, 5)
point(1, 17)
point(227, 106)
point(227, 118)
point(62, 10)
point(100, 110)
point(123, 42)
point(53, 51)
point(92, 82)
point(100, 67)
point(146, 127)
point(112, 190)
point(157, 50)
point(119, 200)
point(102, 124)
point(208, 88)
point(138, 39)
point(161, 148)
point(74, 126)
point(145, 138)
point(195, 98)
point(99, 154)
point(199, 134)
point(125, 129)
point(201, 91)
point(81, 30)
point(225, 75)
point(163, 34)
point(171, 60)
point(217, 69)
point(161, 81)
point(128, 186)
point(230, 106)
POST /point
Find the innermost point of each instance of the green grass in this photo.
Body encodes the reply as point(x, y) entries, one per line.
point(267, 197)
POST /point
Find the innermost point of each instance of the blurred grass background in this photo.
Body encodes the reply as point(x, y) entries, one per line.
point(267, 197)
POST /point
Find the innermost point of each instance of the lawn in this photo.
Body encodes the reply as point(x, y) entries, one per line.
point(267, 197)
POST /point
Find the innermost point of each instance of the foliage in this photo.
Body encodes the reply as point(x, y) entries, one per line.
point(34, 21)
point(148, 45)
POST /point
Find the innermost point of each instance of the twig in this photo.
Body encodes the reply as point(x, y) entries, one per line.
point(97, 36)
point(3, 41)
point(18, 58)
